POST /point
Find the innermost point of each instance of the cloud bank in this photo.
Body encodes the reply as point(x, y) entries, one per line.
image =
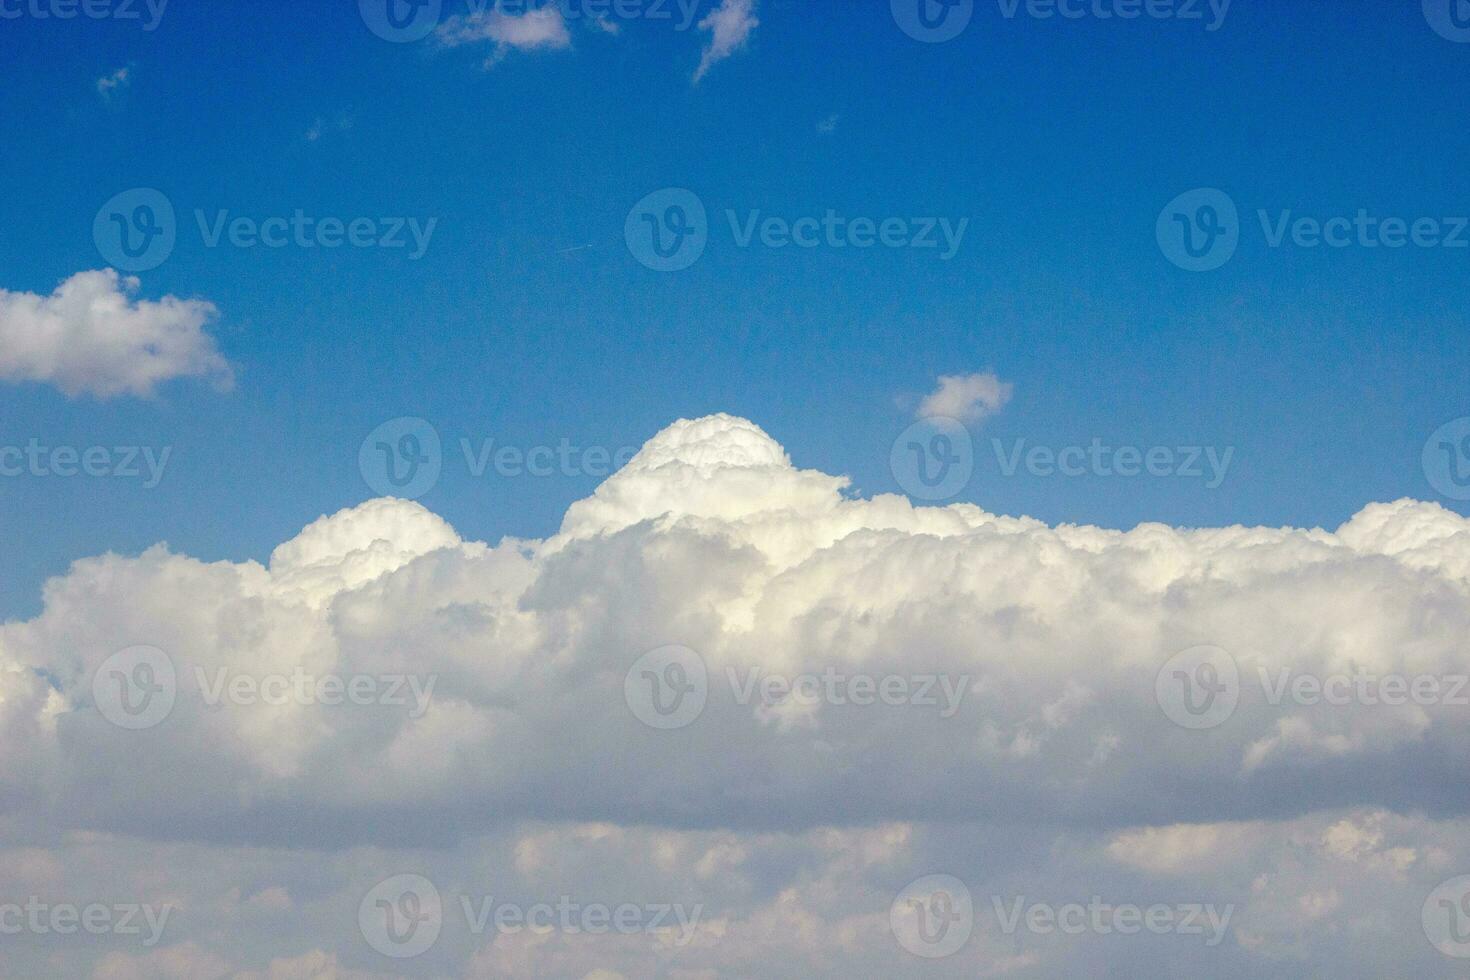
point(1043, 758)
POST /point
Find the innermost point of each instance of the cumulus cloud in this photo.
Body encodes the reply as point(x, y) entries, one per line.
point(792, 821)
point(1045, 642)
point(730, 26)
point(91, 336)
point(540, 28)
point(969, 397)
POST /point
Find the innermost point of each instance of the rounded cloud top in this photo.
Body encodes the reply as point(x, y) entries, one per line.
point(358, 544)
point(710, 443)
point(719, 467)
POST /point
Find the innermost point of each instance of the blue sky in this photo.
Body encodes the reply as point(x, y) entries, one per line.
point(865, 282)
point(1060, 141)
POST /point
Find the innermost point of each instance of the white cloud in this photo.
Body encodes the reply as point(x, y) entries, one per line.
point(730, 25)
point(711, 538)
point(541, 28)
point(90, 336)
point(108, 84)
point(529, 778)
point(828, 124)
point(968, 397)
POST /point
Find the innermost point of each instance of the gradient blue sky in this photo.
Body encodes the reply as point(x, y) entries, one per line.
point(1326, 369)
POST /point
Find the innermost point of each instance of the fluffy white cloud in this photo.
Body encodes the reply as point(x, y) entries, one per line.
point(1043, 645)
point(969, 397)
point(91, 336)
point(730, 25)
point(794, 822)
point(538, 28)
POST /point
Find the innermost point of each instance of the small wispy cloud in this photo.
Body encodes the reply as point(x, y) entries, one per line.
point(108, 85)
point(730, 25)
point(605, 24)
point(320, 125)
point(541, 28)
point(969, 397)
point(828, 124)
